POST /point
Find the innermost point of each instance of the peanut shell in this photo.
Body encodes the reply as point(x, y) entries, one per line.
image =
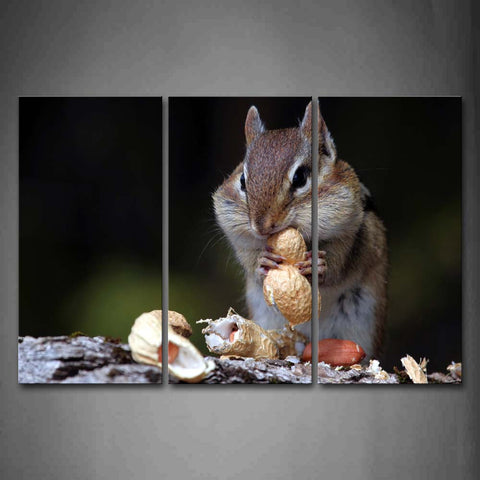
point(185, 361)
point(234, 335)
point(291, 292)
point(284, 287)
point(179, 324)
point(289, 243)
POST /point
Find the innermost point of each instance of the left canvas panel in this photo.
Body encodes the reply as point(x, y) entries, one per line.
point(90, 230)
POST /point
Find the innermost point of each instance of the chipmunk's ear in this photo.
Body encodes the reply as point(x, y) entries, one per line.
point(253, 125)
point(326, 147)
point(306, 125)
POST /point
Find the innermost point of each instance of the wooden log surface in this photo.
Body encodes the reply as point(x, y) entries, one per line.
point(99, 360)
point(80, 359)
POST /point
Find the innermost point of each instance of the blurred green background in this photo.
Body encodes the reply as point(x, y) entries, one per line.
point(90, 214)
point(407, 151)
point(90, 210)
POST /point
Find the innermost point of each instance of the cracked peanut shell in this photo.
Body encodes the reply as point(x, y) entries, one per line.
point(184, 360)
point(234, 335)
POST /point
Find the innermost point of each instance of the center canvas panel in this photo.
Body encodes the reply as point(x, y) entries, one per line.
point(240, 262)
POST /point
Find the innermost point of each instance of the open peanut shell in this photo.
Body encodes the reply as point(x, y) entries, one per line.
point(184, 360)
point(234, 335)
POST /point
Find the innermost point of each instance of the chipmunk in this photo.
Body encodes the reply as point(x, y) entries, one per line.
point(272, 190)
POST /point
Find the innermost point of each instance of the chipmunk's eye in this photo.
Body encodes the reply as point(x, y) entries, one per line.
point(300, 177)
point(242, 183)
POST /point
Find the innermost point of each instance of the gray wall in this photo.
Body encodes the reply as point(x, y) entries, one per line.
point(237, 48)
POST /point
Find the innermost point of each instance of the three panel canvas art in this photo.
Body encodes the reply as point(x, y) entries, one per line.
point(263, 276)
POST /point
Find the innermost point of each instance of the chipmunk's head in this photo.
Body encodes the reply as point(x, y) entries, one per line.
point(276, 176)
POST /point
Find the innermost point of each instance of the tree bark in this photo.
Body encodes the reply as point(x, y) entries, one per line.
point(82, 359)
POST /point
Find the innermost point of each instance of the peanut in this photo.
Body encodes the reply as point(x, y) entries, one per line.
point(172, 352)
point(336, 352)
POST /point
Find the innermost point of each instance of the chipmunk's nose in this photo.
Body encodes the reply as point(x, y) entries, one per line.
point(264, 226)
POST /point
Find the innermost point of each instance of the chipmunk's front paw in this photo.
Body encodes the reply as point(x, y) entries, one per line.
point(305, 268)
point(268, 260)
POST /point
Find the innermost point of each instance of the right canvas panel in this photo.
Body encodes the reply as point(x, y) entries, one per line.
point(390, 223)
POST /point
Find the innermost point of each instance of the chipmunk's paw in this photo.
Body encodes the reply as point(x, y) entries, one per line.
point(305, 267)
point(268, 260)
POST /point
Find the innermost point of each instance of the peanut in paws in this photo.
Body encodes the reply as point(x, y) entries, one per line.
point(284, 287)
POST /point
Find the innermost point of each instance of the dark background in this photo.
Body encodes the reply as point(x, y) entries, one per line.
point(90, 214)
point(407, 151)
